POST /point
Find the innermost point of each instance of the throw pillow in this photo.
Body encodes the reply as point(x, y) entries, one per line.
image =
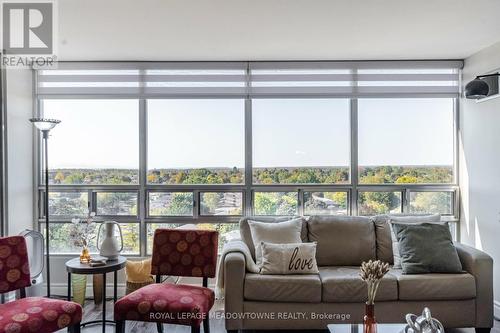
point(415, 219)
point(278, 233)
point(426, 248)
point(298, 258)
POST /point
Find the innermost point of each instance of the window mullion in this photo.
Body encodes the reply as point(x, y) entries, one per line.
point(354, 157)
point(143, 145)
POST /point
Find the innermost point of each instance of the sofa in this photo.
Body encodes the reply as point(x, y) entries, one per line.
point(337, 294)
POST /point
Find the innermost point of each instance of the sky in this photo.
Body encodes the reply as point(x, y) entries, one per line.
point(210, 133)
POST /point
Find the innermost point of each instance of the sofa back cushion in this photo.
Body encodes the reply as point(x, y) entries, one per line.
point(342, 240)
point(246, 234)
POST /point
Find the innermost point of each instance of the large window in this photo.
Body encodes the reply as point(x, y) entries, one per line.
point(196, 141)
point(301, 141)
point(96, 143)
point(200, 145)
point(406, 141)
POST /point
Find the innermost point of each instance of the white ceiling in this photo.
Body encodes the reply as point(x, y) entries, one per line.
point(275, 29)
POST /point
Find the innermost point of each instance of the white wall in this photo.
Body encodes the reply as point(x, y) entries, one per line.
point(20, 150)
point(480, 165)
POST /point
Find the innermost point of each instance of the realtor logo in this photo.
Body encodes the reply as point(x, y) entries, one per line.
point(27, 28)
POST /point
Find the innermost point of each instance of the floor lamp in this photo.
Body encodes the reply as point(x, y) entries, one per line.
point(44, 126)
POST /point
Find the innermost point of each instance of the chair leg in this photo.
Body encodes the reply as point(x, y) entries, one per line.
point(120, 326)
point(74, 328)
point(206, 325)
point(159, 327)
point(195, 329)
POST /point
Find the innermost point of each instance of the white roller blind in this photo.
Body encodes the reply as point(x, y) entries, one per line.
point(253, 79)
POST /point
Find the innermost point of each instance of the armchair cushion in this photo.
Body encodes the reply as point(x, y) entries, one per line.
point(166, 303)
point(38, 314)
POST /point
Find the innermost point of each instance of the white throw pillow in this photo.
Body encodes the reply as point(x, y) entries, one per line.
point(415, 219)
point(298, 258)
point(277, 233)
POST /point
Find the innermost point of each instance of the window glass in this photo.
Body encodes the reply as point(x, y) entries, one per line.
point(300, 141)
point(373, 203)
point(196, 141)
point(61, 241)
point(171, 203)
point(405, 141)
point(325, 203)
point(275, 203)
point(117, 203)
point(68, 203)
point(431, 202)
point(221, 203)
point(97, 141)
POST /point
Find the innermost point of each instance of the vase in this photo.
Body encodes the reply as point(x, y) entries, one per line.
point(85, 255)
point(369, 322)
point(79, 283)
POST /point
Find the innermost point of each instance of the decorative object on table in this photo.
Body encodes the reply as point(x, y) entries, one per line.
point(44, 126)
point(423, 324)
point(109, 247)
point(372, 273)
point(138, 274)
point(81, 234)
point(79, 284)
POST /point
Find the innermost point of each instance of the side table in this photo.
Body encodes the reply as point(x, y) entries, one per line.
point(74, 266)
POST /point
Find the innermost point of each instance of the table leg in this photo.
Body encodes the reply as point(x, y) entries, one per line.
point(104, 303)
point(115, 287)
point(69, 286)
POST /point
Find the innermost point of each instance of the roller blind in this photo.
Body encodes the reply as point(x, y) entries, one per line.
point(252, 79)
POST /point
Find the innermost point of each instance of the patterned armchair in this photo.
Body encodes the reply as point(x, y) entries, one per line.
point(32, 314)
point(190, 253)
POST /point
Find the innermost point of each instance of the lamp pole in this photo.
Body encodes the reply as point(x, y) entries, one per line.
point(45, 125)
point(45, 136)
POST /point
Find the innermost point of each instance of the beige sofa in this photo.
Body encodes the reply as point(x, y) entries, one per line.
point(337, 294)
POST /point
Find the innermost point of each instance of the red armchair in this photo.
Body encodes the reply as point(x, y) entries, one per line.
point(178, 252)
point(32, 314)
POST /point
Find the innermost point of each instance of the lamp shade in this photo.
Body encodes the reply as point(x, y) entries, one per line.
point(44, 124)
point(476, 89)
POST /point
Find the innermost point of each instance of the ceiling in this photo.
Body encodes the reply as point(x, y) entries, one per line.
point(275, 29)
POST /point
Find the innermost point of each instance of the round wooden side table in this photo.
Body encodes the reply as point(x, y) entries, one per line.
point(74, 266)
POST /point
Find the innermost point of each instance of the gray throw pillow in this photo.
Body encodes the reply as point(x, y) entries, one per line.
point(426, 248)
point(408, 219)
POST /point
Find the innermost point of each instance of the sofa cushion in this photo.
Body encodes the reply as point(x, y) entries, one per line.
point(435, 286)
point(283, 288)
point(343, 284)
point(342, 240)
point(246, 234)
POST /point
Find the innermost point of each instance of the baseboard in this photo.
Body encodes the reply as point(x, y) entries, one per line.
point(496, 309)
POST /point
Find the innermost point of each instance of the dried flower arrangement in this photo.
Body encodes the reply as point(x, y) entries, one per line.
point(372, 273)
point(82, 231)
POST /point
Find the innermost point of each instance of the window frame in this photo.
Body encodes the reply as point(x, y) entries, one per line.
point(248, 189)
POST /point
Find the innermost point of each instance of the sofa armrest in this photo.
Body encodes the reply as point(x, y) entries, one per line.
point(234, 277)
point(480, 265)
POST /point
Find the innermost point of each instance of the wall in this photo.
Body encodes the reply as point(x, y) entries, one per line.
point(19, 150)
point(479, 165)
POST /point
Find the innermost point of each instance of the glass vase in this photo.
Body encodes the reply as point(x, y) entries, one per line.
point(85, 255)
point(369, 322)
